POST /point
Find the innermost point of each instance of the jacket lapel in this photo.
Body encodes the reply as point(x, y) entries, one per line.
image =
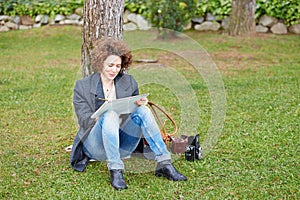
point(94, 82)
point(93, 90)
point(122, 87)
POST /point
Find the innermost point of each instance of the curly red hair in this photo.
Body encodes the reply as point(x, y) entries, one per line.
point(105, 47)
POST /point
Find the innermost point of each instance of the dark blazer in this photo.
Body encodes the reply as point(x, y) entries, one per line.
point(84, 104)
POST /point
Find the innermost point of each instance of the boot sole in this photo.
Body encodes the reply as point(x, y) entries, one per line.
point(170, 178)
point(162, 175)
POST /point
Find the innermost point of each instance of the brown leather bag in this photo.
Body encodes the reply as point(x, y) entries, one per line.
point(176, 144)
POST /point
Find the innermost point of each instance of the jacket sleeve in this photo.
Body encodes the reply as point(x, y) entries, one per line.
point(83, 109)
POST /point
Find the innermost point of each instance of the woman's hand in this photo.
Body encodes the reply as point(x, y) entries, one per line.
point(142, 102)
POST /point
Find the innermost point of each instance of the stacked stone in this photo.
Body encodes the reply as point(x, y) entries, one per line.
point(266, 24)
point(134, 21)
point(131, 21)
point(26, 22)
point(209, 23)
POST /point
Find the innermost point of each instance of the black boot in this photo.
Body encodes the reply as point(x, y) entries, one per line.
point(168, 170)
point(117, 180)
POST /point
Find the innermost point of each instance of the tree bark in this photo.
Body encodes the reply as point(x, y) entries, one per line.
point(101, 18)
point(242, 20)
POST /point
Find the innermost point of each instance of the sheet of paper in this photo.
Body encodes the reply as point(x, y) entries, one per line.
point(121, 106)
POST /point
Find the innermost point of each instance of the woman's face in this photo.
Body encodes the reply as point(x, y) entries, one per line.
point(111, 67)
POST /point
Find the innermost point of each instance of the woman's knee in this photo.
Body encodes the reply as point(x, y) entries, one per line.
point(143, 110)
point(110, 118)
point(111, 115)
point(142, 113)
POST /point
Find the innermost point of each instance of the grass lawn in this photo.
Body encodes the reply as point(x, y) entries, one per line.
point(257, 154)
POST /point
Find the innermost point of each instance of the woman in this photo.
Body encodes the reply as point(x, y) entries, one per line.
point(112, 137)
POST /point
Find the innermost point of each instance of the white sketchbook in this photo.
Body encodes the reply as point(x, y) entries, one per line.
point(121, 106)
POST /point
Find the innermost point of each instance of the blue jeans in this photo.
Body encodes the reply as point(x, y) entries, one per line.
point(108, 141)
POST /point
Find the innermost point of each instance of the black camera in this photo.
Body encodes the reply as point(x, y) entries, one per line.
point(193, 150)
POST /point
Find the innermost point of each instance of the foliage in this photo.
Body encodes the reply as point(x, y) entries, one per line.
point(288, 10)
point(179, 11)
point(35, 7)
point(136, 6)
point(170, 14)
point(219, 8)
point(256, 157)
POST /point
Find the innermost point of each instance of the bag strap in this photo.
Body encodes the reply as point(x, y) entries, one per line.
point(166, 136)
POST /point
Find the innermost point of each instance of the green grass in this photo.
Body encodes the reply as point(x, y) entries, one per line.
point(256, 157)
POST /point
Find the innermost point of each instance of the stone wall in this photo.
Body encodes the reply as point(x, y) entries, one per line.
point(133, 21)
point(266, 24)
point(8, 23)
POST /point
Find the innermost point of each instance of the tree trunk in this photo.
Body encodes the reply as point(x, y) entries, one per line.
point(100, 18)
point(242, 20)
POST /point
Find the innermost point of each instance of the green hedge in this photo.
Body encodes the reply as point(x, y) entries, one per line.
point(287, 10)
point(171, 14)
point(35, 7)
point(219, 8)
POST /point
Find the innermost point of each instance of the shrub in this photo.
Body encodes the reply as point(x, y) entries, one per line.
point(170, 14)
point(35, 7)
point(219, 8)
point(287, 10)
point(162, 13)
point(136, 6)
